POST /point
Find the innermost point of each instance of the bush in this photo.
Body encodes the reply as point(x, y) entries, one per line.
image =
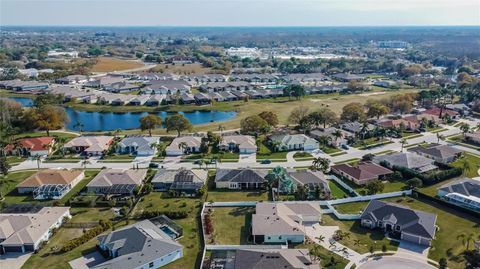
point(171, 214)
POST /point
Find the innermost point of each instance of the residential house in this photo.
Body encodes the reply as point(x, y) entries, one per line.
point(140, 245)
point(102, 82)
point(343, 77)
point(24, 86)
point(410, 123)
point(200, 79)
point(311, 79)
point(156, 76)
point(255, 78)
point(167, 87)
point(240, 179)
point(413, 226)
point(473, 137)
point(181, 181)
point(464, 193)
point(191, 145)
point(187, 98)
point(121, 86)
point(139, 100)
point(311, 181)
point(441, 113)
point(275, 223)
point(73, 79)
point(89, 145)
point(31, 147)
point(155, 99)
point(274, 258)
point(333, 140)
point(202, 98)
point(116, 181)
point(228, 96)
point(288, 142)
point(244, 144)
point(138, 145)
point(437, 152)
point(407, 160)
point(226, 86)
point(50, 183)
point(361, 173)
point(357, 127)
point(26, 232)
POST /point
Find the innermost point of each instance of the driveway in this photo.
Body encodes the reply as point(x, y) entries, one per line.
point(89, 260)
point(13, 260)
point(248, 158)
point(413, 249)
point(394, 262)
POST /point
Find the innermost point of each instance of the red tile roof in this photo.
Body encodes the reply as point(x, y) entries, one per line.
point(34, 143)
point(436, 111)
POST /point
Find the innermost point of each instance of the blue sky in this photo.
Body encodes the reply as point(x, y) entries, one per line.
point(239, 12)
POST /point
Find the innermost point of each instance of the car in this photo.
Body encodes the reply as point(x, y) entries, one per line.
point(266, 162)
point(153, 165)
point(345, 146)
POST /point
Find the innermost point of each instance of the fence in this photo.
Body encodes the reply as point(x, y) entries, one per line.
point(343, 184)
point(369, 197)
point(235, 247)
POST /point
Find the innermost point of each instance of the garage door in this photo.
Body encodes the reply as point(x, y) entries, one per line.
point(13, 249)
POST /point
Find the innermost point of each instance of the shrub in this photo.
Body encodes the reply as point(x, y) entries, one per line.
point(171, 214)
point(103, 225)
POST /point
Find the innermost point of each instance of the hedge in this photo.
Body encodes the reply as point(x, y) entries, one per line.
point(430, 178)
point(87, 236)
point(171, 214)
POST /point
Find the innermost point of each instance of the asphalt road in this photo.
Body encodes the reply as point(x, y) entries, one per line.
point(392, 262)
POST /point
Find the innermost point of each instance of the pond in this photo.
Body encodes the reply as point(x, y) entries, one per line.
point(109, 121)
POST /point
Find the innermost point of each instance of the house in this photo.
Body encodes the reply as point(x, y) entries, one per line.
point(187, 98)
point(228, 96)
point(473, 137)
point(275, 223)
point(413, 226)
point(361, 173)
point(139, 100)
point(343, 77)
point(288, 142)
point(166, 87)
point(73, 79)
point(357, 127)
point(407, 160)
point(89, 145)
point(441, 113)
point(26, 232)
point(140, 245)
point(50, 183)
point(182, 181)
point(334, 141)
point(255, 78)
point(191, 145)
point(463, 109)
point(464, 193)
point(31, 147)
point(200, 79)
point(306, 79)
point(25, 86)
point(226, 86)
point(116, 181)
point(240, 179)
point(156, 76)
point(274, 258)
point(138, 145)
point(407, 123)
point(437, 152)
point(104, 81)
point(202, 98)
point(155, 99)
point(121, 86)
point(311, 181)
point(244, 144)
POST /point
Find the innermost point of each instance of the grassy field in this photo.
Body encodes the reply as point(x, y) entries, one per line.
point(231, 225)
point(220, 195)
point(181, 69)
point(108, 64)
point(460, 140)
point(265, 153)
point(337, 191)
point(67, 136)
point(89, 175)
point(366, 236)
point(14, 160)
point(302, 156)
point(10, 181)
point(473, 160)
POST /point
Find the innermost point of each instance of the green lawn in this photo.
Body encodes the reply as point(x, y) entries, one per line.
point(349, 161)
point(338, 153)
point(67, 136)
point(90, 214)
point(122, 157)
point(14, 160)
point(302, 156)
point(366, 236)
point(389, 186)
point(439, 130)
point(337, 191)
point(219, 195)
point(232, 224)
point(351, 208)
point(326, 257)
point(370, 142)
point(265, 153)
point(473, 160)
point(8, 184)
point(459, 139)
point(89, 175)
point(221, 156)
point(330, 150)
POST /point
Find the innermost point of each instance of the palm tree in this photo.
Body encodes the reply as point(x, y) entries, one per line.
point(466, 167)
point(324, 140)
point(439, 136)
point(344, 251)
point(321, 164)
point(403, 142)
point(346, 235)
point(78, 125)
point(117, 132)
point(466, 239)
point(465, 128)
point(84, 163)
point(221, 128)
point(337, 134)
point(183, 146)
point(332, 244)
point(357, 242)
point(320, 238)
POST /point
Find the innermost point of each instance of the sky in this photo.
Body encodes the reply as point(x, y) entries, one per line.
point(239, 12)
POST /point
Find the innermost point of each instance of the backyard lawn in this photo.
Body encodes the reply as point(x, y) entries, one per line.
point(265, 153)
point(231, 225)
point(220, 195)
point(10, 181)
point(89, 175)
point(337, 191)
point(473, 160)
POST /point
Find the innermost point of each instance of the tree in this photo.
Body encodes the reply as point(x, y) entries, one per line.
point(270, 117)
point(466, 166)
point(442, 263)
point(377, 110)
point(294, 90)
point(178, 123)
point(403, 142)
point(374, 186)
point(321, 164)
point(466, 239)
point(4, 165)
point(323, 117)
point(384, 248)
point(254, 125)
point(414, 183)
point(48, 99)
point(357, 86)
point(298, 114)
point(149, 123)
point(78, 125)
point(183, 146)
point(465, 128)
point(49, 118)
point(337, 134)
point(353, 112)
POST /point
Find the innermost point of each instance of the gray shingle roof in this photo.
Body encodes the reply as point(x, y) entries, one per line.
point(466, 187)
point(274, 259)
point(408, 160)
point(142, 142)
point(244, 175)
point(412, 221)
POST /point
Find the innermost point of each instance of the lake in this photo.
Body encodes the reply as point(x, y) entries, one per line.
point(109, 121)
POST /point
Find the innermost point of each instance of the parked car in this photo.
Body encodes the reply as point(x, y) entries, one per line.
point(266, 162)
point(345, 146)
point(153, 165)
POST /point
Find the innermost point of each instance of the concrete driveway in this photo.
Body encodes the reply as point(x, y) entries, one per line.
point(13, 260)
point(89, 260)
point(393, 262)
